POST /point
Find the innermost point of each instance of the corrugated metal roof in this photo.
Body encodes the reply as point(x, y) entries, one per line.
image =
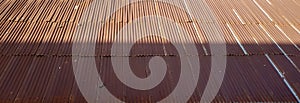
point(36, 38)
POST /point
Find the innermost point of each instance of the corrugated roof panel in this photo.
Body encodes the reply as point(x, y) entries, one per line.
point(256, 81)
point(11, 79)
point(36, 39)
point(290, 71)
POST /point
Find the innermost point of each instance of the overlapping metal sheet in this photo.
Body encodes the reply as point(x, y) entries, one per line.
point(36, 38)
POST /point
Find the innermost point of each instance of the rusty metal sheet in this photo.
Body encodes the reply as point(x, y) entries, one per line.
point(253, 79)
point(36, 39)
point(12, 77)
